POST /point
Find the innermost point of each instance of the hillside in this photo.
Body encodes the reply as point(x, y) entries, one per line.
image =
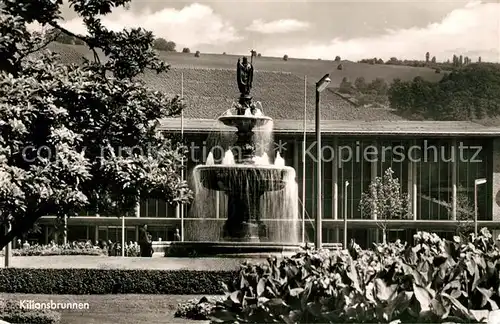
point(210, 91)
point(313, 69)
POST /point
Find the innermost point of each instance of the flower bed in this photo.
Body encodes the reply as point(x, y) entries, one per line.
point(12, 313)
point(74, 249)
point(431, 281)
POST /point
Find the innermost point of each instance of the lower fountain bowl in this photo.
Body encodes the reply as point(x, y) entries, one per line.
point(241, 177)
point(230, 249)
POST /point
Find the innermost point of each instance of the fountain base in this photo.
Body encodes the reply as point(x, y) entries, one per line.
point(230, 249)
point(243, 232)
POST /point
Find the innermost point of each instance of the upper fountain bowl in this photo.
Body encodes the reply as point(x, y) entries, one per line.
point(243, 122)
point(244, 178)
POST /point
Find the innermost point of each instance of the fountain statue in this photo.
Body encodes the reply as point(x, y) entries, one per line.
point(247, 179)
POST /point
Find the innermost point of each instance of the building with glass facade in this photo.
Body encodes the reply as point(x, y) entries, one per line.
point(437, 164)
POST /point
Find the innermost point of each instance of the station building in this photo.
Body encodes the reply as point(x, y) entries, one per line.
point(436, 162)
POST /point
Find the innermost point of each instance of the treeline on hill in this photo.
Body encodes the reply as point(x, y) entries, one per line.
point(431, 62)
point(159, 44)
point(472, 92)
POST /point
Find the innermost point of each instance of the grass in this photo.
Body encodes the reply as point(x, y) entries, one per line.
point(105, 262)
point(112, 309)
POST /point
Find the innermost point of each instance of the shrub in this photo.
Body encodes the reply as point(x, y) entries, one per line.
point(198, 309)
point(432, 280)
point(197, 54)
point(99, 281)
point(340, 67)
point(285, 57)
point(12, 313)
point(337, 58)
point(186, 50)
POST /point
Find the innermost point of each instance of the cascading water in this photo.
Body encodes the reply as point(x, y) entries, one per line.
point(240, 194)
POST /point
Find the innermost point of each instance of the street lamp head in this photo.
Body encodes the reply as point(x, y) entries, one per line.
point(323, 83)
point(480, 181)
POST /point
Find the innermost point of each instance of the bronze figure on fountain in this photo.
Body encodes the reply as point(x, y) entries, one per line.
point(244, 78)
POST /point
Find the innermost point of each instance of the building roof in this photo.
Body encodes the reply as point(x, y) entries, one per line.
point(348, 127)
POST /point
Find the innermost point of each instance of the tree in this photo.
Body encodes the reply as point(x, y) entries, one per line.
point(337, 58)
point(186, 50)
point(379, 86)
point(427, 56)
point(384, 200)
point(479, 60)
point(433, 60)
point(68, 131)
point(197, 54)
point(461, 60)
point(259, 55)
point(162, 44)
point(285, 57)
point(253, 53)
point(360, 84)
point(346, 86)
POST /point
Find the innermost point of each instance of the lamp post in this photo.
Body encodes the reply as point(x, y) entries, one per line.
point(320, 86)
point(477, 182)
point(345, 214)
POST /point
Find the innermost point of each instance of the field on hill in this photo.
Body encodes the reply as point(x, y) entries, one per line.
point(313, 69)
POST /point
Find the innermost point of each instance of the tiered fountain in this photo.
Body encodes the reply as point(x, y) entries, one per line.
point(256, 190)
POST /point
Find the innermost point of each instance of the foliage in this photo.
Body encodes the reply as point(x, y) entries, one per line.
point(162, 44)
point(100, 281)
point(385, 200)
point(198, 309)
point(186, 50)
point(468, 93)
point(431, 281)
point(12, 313)
point(46, 250)
point(64, 127)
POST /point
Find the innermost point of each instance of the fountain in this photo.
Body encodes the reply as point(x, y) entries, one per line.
point(248, 182)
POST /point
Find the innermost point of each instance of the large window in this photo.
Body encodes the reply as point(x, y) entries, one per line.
point(355, 168)
point(157, 208)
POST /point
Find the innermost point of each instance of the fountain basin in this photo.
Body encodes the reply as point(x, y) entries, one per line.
point(245, 123)
point(244, 178)
point(230, 249)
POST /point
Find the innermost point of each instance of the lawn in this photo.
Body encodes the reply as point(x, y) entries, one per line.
point(113, 309)
point(104, 262)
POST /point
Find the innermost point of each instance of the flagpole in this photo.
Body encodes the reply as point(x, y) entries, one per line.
point(182, 161)
point(304, 165)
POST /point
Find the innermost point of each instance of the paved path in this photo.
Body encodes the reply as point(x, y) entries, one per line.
point(105, 262)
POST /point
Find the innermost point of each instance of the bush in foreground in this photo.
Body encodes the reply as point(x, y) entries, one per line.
point(433, 281)
point(99, 281)
point(198, 309)
point(12, 313)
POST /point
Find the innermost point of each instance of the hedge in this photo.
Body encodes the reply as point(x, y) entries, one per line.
point(100, 281)
point(12, 313)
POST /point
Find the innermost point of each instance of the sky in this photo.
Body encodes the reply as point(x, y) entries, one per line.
point(318, 29)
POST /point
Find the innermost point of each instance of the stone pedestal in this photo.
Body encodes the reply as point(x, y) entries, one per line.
point(243, 217)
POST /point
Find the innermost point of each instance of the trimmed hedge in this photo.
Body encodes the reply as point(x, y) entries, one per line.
point(100, 281)
point(12, 313)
